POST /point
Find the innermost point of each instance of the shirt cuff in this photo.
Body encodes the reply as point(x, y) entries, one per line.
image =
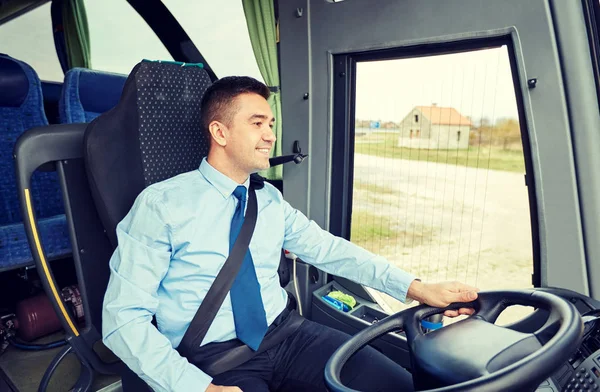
point(193, 379)
point(398, 283)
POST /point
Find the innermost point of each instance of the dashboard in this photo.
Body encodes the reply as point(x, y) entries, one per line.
point(582, 371)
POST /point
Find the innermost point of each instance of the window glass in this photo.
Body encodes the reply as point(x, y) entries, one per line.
point(120, 38)
point(438, 170)
point(29, 38)
point(219, 31)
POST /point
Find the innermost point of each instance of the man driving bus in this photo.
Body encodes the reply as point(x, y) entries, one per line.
point(176, 238)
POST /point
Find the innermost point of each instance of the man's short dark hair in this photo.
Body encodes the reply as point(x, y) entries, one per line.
point(218, 100)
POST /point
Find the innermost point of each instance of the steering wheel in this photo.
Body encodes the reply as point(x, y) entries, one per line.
point(474, 354)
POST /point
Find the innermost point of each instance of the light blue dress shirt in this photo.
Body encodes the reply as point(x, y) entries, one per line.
point(173, 243)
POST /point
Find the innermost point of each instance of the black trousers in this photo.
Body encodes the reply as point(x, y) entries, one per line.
point(298, 363)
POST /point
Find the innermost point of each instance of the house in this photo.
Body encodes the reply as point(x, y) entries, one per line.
point(434, 127)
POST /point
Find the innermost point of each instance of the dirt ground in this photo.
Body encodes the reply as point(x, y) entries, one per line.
point(449, 222)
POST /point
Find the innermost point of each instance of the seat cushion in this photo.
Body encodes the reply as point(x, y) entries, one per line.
point(154, 133)
point(22, 108)
point(87, 93)
point(14, 248)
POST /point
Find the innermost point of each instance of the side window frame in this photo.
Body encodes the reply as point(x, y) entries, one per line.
point(342, 159)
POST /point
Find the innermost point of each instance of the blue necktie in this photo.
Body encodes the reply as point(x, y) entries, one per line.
point(248, 309)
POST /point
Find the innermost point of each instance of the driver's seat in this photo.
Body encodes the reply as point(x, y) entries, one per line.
point(152, 134)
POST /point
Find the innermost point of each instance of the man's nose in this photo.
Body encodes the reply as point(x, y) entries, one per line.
point(269, 136)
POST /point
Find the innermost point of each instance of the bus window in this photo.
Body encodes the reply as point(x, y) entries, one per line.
point(219, 31)
point(120, 38)
point(29, 38)
point(451, 203)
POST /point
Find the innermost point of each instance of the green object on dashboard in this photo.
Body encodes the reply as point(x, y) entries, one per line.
point(345, 298)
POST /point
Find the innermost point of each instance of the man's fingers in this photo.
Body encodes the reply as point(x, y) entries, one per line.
point(467, 311)
point(464, 296)
point(221, 388)
point(465, 287)
point(459, 312)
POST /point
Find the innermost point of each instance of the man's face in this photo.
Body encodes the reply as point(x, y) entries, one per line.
point(250, 135)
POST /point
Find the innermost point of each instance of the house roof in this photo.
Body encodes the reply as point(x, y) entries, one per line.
point(443, 116)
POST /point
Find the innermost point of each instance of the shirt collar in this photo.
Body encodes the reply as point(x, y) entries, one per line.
point(224, 184)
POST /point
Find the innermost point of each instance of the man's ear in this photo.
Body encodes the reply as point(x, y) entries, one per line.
point(218, 132)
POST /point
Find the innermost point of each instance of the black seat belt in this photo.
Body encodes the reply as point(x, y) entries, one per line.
point(218, 291)
point(214, 299)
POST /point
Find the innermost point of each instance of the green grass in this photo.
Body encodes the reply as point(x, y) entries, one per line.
point(368, 230)
point(375, 232)
point(484, 157)
point(373, 188)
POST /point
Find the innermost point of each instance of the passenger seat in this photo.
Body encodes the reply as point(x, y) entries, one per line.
point(87, 93)
point(22, 108)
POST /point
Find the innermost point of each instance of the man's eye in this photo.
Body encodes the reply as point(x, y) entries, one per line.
point(271, 125)
point(258, 124)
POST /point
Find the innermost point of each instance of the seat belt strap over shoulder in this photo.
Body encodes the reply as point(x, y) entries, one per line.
point(218, 291)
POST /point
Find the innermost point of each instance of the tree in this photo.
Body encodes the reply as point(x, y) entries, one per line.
point(389, 125)
point(507, 132)
point(362, 123)
point(479, 133)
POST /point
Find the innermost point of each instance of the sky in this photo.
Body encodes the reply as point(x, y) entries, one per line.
point(477, 84)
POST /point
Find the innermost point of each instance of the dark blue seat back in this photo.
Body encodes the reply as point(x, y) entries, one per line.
point(22, 108)
point(87, 93)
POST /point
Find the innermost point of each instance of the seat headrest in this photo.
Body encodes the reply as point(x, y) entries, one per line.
point(97, 91)
point(153, 133)
point(14, 83)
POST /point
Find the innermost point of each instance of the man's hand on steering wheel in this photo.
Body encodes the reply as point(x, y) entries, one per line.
point(443, 294)
point(504, 359)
